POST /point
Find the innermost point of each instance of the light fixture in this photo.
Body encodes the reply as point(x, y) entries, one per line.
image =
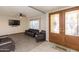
point(21, 15)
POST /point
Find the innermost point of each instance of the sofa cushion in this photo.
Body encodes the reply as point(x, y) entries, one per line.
point(32, 32)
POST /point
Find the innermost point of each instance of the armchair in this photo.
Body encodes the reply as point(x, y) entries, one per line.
point(40, 36)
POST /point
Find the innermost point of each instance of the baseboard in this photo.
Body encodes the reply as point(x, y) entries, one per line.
point(13, 34)
point(16, 33)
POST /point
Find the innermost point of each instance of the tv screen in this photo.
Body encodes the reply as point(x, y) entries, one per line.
point(14, 22)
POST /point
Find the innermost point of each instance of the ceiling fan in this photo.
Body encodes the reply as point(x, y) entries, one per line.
point(21, 15)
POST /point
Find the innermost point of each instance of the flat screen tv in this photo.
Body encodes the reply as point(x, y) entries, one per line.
point(14, 22)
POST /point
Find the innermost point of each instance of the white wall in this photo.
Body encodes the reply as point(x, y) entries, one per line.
point(47, 26)
point(43, 22)
point(6, 29)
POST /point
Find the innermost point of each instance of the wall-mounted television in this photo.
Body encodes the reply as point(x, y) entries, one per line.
point(14, 22)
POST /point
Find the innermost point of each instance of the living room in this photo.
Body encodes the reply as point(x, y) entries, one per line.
point(27, 29)
point(59, 19)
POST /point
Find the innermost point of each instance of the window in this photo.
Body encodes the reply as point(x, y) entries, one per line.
point(34, 24)
point(72, 22)
point(54, 23)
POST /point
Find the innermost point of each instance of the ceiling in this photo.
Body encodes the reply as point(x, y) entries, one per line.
point(49, 8)
point(14, 11)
